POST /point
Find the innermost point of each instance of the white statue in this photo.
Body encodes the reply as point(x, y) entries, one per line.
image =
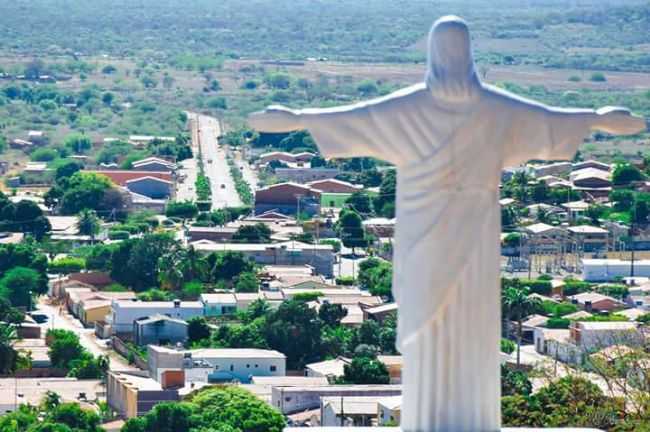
point(449, 138)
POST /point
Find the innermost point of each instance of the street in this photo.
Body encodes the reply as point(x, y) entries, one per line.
point(187, 169)
point(59, 318)
point(215, 165)
point(249, 174)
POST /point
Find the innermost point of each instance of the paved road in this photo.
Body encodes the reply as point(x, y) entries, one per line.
point(215, 165)
point(61, 319)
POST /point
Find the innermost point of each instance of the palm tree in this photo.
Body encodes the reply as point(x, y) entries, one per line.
point(8, 355)
point(88, 223)
point(170, 269)
point(517, 305)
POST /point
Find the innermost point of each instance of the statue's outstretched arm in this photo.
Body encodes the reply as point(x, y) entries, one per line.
point(617, 121)
point(275, 119)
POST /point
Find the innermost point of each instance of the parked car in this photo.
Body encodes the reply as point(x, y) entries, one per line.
point(39, 317)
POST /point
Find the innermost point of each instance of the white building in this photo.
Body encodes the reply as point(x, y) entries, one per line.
point(294, 399)
point(602, 270)
point(353, 411)
point(126, 312)
point(217, 364)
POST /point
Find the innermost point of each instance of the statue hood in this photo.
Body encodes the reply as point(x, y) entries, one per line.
point(450, 67)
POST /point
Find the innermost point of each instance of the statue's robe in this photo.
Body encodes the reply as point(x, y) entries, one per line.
point(449, 153)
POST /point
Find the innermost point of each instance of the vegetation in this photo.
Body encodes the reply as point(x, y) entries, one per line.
point(212, 408)
point(51, 416)
point(242, 187)
point(67, 353)
point(23, 216)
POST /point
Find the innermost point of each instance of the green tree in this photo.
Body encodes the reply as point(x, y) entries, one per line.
point(365, 370)
point(331, 314)
point(360, 202)
point(10, 314)
point(236, 408)
point(185, 210)
point(67, 169)
point(624, 174)
point(76, 418)
point(278, 80)
point(376, 276)
point(89, 223)
point(83, 190)
point(136, 262)
point(514, 382)
point(385, 201)
point(247, 282)
point(18, 285)
point(569, 401)
point(258, 233)
point(517, 305)
point(197, 329)
point(27, 255)
point(294, 329)
point(78, 143)
point(351, 230)
point(367, 88)
point(8, 356)
point(226, 265)
point(64, 347)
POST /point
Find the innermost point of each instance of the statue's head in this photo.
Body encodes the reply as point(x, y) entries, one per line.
point(450, 65)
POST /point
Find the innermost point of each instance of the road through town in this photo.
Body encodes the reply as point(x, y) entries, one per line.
point(59, 318)
point(215, 164)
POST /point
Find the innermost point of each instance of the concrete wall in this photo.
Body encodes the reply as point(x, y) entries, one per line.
point(159, 333)
point(293, 399)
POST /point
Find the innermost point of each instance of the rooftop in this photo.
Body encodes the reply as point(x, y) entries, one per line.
point(32, 390)
point(351, 405)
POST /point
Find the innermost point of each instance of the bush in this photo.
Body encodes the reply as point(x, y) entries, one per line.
point(538, 286)
point(558, 323)
point(185, 210)
point(307, 296)
point(118, 235)
point(67, 265)
point(598, 77)
point(508, 346)
point(44, 155)
point(573, 287)
point(345, 280)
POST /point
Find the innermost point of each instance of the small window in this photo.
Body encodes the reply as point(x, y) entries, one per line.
point(232, 368)
point(248, 366)
point(273, 368)
point(256, 366)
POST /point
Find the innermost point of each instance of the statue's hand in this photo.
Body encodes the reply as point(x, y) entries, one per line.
point(620, 121)
point(275, 118)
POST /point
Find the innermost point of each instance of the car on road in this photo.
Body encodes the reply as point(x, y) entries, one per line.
point(39, 317)
point(209, 160)
point(223, 185)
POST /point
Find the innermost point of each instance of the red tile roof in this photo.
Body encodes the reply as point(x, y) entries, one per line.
point(120, 177)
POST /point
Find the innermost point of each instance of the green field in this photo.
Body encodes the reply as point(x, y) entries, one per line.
point(334, 199)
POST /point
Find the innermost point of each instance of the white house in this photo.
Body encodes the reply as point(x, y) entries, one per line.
point(602, 270)
point(217, 364)
point(216, 304)
point(125, 312)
